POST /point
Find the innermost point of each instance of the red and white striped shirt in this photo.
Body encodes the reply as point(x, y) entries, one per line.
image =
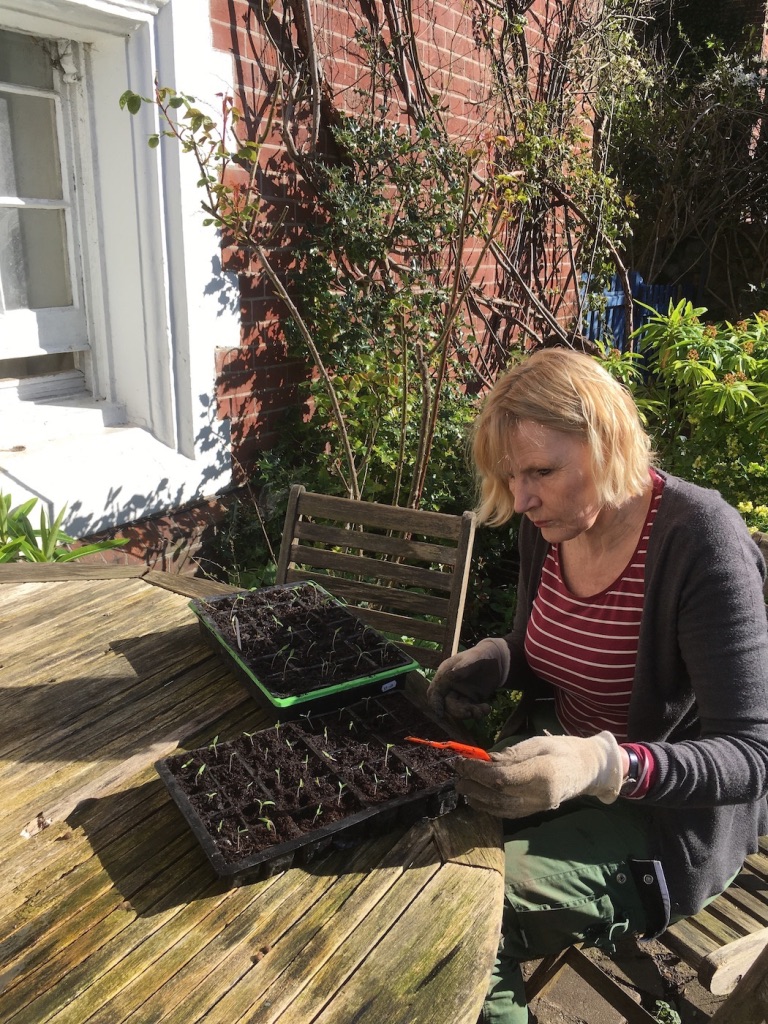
point(587, 646)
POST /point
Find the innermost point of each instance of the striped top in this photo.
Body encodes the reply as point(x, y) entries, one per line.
point(587, 646)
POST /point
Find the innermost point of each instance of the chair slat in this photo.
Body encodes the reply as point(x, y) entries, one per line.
point(388, 517)
point(354, 592)
point(362, 540)
point(372, 568)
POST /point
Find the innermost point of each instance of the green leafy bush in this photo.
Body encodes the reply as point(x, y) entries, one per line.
point(703, 391)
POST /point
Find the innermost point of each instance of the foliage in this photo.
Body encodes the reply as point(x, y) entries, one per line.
point(559, 69)
point(703, 391)
point(666, 1014)
point(384, 280)
point(21, 542)
point(687, 144)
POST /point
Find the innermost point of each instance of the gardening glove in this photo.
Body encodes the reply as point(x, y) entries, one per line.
point(538, 774)
point(464, 683)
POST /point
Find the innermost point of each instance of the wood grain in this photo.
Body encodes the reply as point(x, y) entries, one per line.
point(109, 910)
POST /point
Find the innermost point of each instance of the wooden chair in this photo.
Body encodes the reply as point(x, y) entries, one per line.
point(726, 944)
point(403, 571)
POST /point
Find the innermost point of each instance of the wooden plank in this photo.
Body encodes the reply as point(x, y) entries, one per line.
point(458, 595)
point(58, 572)
point(189, 586)
point(384, 544)
point(721, 971)
point(749, 1003)
point(439, 958)
point(689, 942)
point(387, 517)
point(758, 864)
point(390, 597)
point(227, 964)
point(606, 987)
point(371, 568)
point(729, 912)
point(472, 838)
point(313, 940)
point(59, 987)
point(400, 626)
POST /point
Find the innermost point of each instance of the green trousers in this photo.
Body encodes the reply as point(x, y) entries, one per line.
point(567, 881)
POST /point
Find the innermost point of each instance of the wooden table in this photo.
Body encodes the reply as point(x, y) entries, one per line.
point(109, 911)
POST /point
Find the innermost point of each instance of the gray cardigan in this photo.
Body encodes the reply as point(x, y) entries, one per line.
point(700, 692)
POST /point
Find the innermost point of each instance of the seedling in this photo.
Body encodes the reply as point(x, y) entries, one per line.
point(200, 770)
point(342, 787)
point(386, 753)
point(299, 788)
point(269, 823)
point(318, 812)
point(236, 626)
point(214, 744)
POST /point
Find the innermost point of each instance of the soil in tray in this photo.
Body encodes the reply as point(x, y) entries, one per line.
point(276, 786)
point(298, 638)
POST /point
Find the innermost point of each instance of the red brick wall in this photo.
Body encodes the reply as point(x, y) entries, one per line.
point(257, 382)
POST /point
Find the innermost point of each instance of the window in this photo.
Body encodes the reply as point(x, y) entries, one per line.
point(111, 297)
point(43, 323)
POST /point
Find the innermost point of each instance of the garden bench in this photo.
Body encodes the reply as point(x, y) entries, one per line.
point(726, 944)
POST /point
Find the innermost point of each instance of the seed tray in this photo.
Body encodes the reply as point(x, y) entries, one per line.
point(267, 800)
point(295, 646)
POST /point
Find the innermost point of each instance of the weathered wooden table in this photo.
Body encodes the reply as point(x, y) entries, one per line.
point(109, 911)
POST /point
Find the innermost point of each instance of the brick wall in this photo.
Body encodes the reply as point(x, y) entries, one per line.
point(257, 382)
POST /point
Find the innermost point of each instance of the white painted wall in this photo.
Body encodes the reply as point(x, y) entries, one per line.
point(156, 300)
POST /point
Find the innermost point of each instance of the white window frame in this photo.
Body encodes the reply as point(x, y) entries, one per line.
point(149, 438)
point(54, 329)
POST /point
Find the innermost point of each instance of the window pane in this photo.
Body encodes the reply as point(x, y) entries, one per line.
point(34, 269)
point(24, 61)
point(29, 167)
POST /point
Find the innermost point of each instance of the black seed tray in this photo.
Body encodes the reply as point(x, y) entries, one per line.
point(278, 797)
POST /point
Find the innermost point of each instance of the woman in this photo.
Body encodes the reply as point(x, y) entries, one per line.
point(640, 616)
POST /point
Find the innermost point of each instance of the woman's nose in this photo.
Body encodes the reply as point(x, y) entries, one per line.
point(523, 496)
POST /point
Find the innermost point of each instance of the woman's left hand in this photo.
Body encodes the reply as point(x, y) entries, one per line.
point(538, 774)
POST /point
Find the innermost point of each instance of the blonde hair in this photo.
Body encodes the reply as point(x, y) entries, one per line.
point(569, 392)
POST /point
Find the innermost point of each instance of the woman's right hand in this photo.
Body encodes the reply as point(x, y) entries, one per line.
point(465, 683)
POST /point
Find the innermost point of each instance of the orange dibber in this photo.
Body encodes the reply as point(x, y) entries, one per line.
point(460, 748)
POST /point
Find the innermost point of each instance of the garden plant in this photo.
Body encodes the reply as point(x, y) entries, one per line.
point(703, 390)
point(21, 542)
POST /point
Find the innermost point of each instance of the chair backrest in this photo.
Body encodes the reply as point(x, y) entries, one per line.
point(403, 571)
